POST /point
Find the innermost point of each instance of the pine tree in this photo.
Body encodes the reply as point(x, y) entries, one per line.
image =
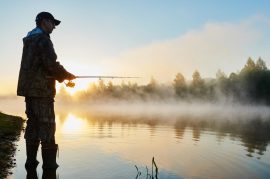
point(179, 84)
point(260, 65)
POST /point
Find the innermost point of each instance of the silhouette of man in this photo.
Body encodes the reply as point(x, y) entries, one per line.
point(37, 64)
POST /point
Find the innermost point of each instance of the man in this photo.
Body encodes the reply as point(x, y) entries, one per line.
point(38, 72)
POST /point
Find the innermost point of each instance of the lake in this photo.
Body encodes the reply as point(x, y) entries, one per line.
point(186, 140)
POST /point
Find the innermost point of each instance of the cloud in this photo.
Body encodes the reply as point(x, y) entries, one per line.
point(224, 46)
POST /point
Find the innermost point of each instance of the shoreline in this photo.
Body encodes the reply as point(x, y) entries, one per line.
point(10, 129)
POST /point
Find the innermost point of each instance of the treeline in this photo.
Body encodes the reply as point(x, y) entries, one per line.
point(251, 84)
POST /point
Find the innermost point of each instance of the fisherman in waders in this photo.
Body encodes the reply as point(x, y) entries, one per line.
point(37, 63)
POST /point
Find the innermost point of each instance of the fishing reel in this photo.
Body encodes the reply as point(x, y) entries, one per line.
point(70, 84)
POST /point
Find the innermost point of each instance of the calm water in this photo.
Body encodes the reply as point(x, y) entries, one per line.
point(95, 144)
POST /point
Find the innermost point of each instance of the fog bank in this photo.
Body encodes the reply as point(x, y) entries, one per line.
point(168, 111)
point(171, 111)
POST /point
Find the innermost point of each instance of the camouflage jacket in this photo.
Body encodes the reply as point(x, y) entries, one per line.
point(37, 63)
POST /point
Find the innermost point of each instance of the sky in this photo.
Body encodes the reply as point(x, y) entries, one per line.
point(140, 38)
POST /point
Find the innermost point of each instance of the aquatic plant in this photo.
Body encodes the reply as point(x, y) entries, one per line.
point(154, 172)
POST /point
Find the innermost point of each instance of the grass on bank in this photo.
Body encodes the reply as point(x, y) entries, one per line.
point(10, 125)
point(10, 129)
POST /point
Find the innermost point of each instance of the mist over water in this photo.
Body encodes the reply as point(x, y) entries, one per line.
point(176, 109)
point(166, 111)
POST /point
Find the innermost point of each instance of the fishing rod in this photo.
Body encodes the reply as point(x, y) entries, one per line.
point(71, 84)
point(100, 77)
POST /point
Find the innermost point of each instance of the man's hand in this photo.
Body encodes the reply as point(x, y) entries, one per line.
point(70, 76)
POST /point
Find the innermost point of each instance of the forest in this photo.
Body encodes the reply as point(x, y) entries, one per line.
point(250, 85)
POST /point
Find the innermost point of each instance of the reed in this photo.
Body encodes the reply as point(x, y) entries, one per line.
point(154, 171)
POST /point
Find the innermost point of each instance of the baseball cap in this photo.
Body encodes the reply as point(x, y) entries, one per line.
point(46, 15)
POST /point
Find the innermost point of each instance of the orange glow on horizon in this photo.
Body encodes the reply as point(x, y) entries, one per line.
point(80, 85)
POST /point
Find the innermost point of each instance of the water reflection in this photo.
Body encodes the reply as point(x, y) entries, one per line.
point(105, 145)
point(73, 124)
point(196, 131)
point(179, 128)
point(47, 174)
point(254, 134)
point(137, 139)
point(31, 174)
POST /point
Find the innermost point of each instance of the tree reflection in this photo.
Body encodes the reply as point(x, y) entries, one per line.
point(152, 126)
point(254, 134)
point(179, 128)
point(196, 133)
